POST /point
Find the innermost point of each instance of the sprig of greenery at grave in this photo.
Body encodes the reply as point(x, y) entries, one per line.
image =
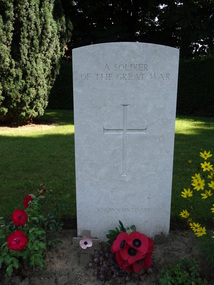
point(112, 234)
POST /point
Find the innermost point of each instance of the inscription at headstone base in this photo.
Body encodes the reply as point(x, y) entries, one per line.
point(124, 112)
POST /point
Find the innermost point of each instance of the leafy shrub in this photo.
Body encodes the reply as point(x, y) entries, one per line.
point(25, 239)
point(185, 272)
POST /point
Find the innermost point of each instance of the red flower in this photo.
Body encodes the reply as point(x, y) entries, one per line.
point(17, 240)
point(127, 267)
point(26, 201)
point(133, 251)
point(119, 259)
point(145, 262)
point(137, 246)
point(131, 255)
point(123, 264)
point(151, 246)
point(138, 241)
point(19, 217)
point(119, 242)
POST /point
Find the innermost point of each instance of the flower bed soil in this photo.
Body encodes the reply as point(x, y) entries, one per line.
point(63, 263)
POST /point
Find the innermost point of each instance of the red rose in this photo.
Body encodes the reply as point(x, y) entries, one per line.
point(19, 217)
point(17, 240)
point(26, 201)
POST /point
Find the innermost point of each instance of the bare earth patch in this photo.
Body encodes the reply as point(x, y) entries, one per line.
point(63, 263)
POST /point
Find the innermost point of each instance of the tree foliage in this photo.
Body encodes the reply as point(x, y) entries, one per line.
point(32, 38)
point(188, 25)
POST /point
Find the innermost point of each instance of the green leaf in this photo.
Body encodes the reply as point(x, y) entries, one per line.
point(37, 245)
point(8, 259)
point(9, 270)
point(35, 219)
point(4, 245)
point(37, 259)
point(15, 263)
point(36, 231)
point(133, 228)
point(41, 262)
point(122, 228)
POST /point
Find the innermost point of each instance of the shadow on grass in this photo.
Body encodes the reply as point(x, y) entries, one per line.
point(58, 117)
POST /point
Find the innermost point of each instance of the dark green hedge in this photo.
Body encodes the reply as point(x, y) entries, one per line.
point(196, 87)
point(33, 35)
point(61, 96)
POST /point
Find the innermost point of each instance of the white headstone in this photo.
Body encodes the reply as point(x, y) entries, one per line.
point(124, 111)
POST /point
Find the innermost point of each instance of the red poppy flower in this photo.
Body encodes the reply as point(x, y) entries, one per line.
point(147, 262)
point(17, 240)
point(138, 242)
point(19, 217)
point(119, 242)
point(138, 266)
point(26, 201)
point(133, 251)
point(127, 267)
point(130, 254)
point(143, 263)
point(119, 259)
point(151, 246)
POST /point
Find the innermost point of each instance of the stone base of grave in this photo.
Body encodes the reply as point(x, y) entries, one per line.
point(85, 254)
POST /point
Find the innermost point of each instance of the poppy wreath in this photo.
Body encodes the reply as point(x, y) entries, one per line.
point(133, 251)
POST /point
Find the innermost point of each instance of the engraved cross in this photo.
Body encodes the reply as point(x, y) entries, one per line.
point(124, 132)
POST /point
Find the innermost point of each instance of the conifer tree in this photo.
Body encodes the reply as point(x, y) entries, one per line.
point(33, 34)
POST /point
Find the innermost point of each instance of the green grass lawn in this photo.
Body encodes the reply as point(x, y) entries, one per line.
point(31, 156)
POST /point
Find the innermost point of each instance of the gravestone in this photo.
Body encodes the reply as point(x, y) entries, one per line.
point(124, 116)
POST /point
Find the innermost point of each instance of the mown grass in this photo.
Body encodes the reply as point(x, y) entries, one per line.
point(35, 155)
point(45, 155)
